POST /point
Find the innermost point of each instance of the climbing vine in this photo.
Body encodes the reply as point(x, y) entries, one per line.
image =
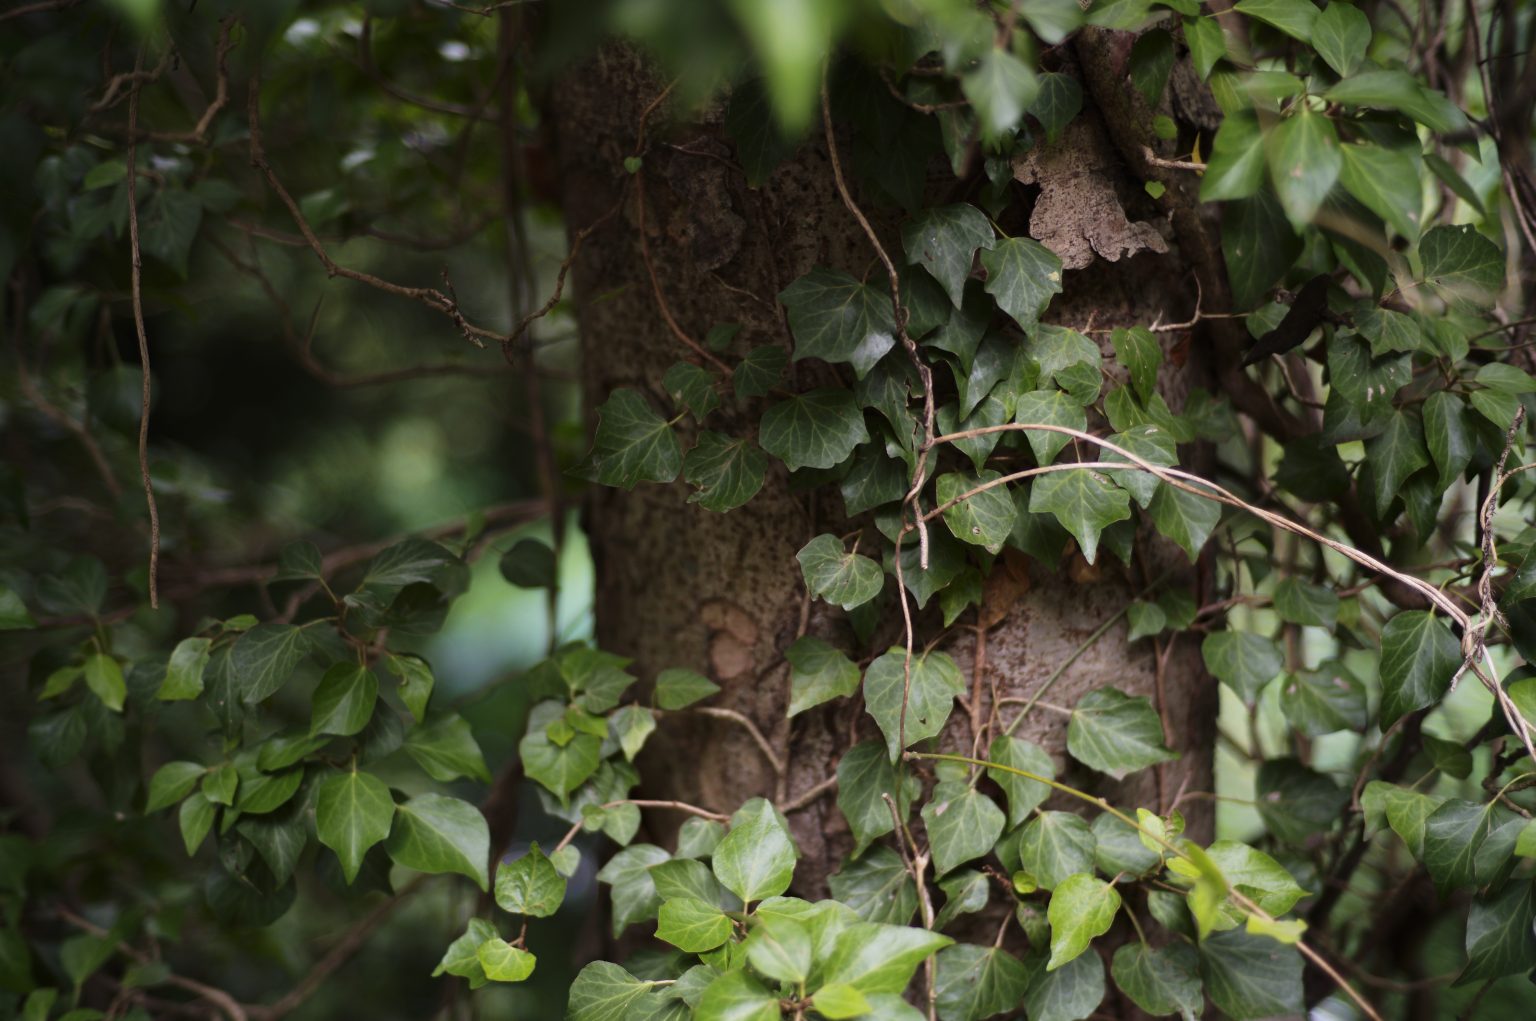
point(1334, 510)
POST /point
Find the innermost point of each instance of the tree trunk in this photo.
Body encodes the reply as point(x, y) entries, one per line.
point(678, 585)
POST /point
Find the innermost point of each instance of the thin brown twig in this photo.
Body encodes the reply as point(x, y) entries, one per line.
point(137, 293)
point(218, 997)
point(809, 797)
point(745, 722)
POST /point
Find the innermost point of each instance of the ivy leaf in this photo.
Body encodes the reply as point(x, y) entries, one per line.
point(876, 958)
point(559, 768)
point(1153, 444)
point(1162, 980)
point(983, 519)
point(1389, 332)
point(1257, 245)
point(632, 725)
point(1024, 795)
point(1304, 158)
point(936, 681)
point(1386, 181)
point(262, 659)
point(864, 774)
point(1070, 993)
point(184, 670)
point(1084, 501)
point(1000, 89)
point(1293, 17)
point(13, 612)
point(503, 962)
point(1207, 44)
point(344, 700)
point(195, 819)
point(1340, 34)
point(1309, 605)
point(975, 982)
point(172, 782)
point(1082, 908)
point(1419, 655)
point(1462, 264)
point(462, 958)
point(1367, 383)
point(1022, 275)
point(832, 573)
point(1048, 407)
point(818, 429)
point(874, 479)
point(1115, 733)
point(962, 824)
point(603, 991)
point(104, 676)
point(261, 793)
point(634, 894)
point(818, 673)
point(1242, 660)
point(965, 892)
point(1399, 90)
point(1121, 847)
point(692, 926)
point(1297, 803)
point(434, 833)
point(727, 472)
point(781, 949)
point(943, 240)
point(530, 885)
point(1466, 844)
point(1250, 977)
point(1139, 353)
point(353, 811)
point(1235, 169)
point(633, 444)
point(1059, 99)
point(446, 750)
point(1500, 938)
point(677, 688)
point(1395, 454)
point(416, 682)
point(1324, 701)
point(760, 371)
point(838, 319)
point(1184, 517)
point(1053, 846)
point(693, 387)
point(877, 886)
point(529, 564)
point(737, 996)
point(757, 858)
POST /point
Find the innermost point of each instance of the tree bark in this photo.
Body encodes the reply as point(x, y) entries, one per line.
point(678, 585)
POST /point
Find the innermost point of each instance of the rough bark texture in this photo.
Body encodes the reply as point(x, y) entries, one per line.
point(681, 586)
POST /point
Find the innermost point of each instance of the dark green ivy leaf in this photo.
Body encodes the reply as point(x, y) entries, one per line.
point(726, 472)
point(935, 682)
point(818, 429)
point(838, 319)
point(838, 576)
point(760, 371)
point(1022, 275)
point(1084, 501)
point(1419, 655)
point(633, 444)
point(943, 240)
point(1116, 733)
point(1162, 980)
point(1250, 977)
point(982, 519)
point(1059, 99)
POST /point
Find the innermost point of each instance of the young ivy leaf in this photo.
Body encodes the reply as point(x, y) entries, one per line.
point(677, 688)
point(876, 958)
point(781, 948)
point(838, 576)
point(1082, 908)
point(184, 670)
point(503, 962)
point(692, 925)
point(1116, 733)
